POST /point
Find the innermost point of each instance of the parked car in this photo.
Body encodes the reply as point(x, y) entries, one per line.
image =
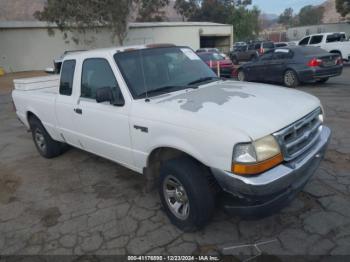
point(293, 65)
point(332, 42)
point(212, 50)
point(160, 111)
point(215, 60)
point(280, 44)
point(250, 51)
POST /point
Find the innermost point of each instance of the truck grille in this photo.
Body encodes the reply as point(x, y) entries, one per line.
point(297, 138)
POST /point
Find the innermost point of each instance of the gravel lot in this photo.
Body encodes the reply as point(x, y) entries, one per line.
point(82, 204)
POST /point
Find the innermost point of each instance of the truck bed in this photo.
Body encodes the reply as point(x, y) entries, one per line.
point(37, 95)
point(42, 84)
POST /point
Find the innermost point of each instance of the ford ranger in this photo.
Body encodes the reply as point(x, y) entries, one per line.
point(162, 112)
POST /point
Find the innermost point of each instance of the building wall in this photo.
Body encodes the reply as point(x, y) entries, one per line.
point(297, 33)
point(23, 49)
point(33, 49)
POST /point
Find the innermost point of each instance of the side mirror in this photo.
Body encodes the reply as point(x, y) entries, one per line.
point(105, 94)
point(50, 70)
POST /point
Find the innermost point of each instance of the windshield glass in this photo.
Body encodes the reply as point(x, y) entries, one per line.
point(148, 70)
point(211, 57)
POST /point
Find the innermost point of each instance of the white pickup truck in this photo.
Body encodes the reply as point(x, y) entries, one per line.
point(161, 111)
point(331, 42)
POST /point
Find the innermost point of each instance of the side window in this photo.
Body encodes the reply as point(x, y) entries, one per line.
point(97, 73)
point(282, 54)
point(267, 56)
point(67, 76)
point(305, 41)
point(316, 39)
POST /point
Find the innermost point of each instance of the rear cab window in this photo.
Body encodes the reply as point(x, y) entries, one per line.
point(335, 38)
point(67, 76)
point(316, 39)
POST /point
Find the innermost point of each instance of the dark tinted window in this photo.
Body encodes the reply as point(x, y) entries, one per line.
point(282, 54)
point(267, 56)
point(96, 73)
point(268, 45)
point(335, 38)
point(67, 76)
point(305, 41)
point(316, 39)
point(280, 44)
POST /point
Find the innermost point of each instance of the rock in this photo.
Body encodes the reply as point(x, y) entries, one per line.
point(92, 243)
point(323, 222)
point(336, 204)
point(296, 241)
point(322, 247)
point(118, 242)
point(183, 249)
point(68, 241)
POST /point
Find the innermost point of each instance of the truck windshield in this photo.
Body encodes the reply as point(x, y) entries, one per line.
point(148, 70)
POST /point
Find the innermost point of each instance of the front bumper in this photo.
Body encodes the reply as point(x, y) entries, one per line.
point(275, 186)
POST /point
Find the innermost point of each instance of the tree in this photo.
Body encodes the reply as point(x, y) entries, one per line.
point(287, 17)
point(187, 8)
point(151, 10)
point(80, 16)
point(310, 15)
point(244, 21)
point(343, 7)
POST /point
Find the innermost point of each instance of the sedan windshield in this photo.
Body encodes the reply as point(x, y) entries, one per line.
point(156, 71)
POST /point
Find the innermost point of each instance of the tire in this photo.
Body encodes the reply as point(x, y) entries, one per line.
point(322, 80)
point(290, 79)
point(241, 76)
point(185, 184)
point(46, 146)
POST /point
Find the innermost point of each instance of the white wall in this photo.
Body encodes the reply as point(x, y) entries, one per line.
point(23, 49)
point(33, 49)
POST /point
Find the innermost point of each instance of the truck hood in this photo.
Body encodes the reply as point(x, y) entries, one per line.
point(223, 106)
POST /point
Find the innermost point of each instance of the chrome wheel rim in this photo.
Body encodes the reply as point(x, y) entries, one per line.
point(40, 140)
point(241, 76)
point(289, 78)
point(176, 197)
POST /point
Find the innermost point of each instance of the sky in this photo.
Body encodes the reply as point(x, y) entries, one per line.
point(278, 6)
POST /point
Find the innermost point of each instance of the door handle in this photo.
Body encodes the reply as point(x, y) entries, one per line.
point(78, 111)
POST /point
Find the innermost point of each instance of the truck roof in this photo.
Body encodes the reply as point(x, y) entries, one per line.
point(113, 50)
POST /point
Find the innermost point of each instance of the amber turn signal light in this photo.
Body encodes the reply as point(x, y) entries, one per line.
point(255, 169)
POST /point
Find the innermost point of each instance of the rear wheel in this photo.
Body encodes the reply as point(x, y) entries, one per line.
point(186, 194)
point(241, 76)
point(46, 146)
point(290, 79)
point(323, 80)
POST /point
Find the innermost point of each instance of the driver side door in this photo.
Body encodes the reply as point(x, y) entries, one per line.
point(103, 127)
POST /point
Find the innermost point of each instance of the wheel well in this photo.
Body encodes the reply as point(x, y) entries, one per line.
point(335, 52)
point(31, 115)
point(159, 155)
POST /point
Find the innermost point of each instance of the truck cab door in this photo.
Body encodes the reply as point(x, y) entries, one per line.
point(66, 103)
point(103, 128)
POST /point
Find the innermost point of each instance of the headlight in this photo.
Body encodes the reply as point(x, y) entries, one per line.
point(257, 157)
point(321, 117)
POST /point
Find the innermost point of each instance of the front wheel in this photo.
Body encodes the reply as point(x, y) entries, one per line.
point(290, 79)
point(241, 76)
point(186, 194)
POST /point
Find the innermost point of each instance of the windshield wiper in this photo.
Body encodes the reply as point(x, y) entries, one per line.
point(165, 89)
point(204, 79)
